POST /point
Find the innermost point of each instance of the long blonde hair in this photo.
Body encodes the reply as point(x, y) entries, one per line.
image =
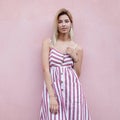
point(59, 13)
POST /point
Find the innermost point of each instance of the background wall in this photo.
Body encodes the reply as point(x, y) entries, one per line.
point(23, 26)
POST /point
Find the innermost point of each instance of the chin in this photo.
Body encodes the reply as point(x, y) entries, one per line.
point(64, 32)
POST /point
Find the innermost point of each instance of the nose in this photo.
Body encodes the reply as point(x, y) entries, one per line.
point(63, 24)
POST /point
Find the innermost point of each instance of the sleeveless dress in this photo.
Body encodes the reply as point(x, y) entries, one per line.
point(67, 87)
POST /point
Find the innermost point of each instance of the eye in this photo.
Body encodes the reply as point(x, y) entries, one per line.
point(59, 21)
point(67, 21)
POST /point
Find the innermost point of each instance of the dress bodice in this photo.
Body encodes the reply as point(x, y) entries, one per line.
point(57, 59)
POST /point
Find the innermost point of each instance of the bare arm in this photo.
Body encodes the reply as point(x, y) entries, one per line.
point(47, 76)
point(45, 65)
point(77, 55)
point(78, 61)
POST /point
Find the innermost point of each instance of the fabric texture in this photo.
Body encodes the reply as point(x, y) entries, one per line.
point(68, 90)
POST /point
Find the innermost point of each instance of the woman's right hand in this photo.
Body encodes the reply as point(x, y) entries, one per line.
point(53, 105)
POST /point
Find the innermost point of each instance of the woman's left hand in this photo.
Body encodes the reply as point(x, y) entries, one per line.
point(72, 52)
point(69, 50)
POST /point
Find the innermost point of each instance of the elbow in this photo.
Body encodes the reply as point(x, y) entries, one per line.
point(78, 74)
point(45, 70)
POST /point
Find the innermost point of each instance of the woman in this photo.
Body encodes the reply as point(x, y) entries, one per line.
point(62, 97)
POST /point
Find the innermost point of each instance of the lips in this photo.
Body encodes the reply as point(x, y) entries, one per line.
point(64, 28)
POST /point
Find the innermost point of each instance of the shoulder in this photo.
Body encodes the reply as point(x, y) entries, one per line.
point(46, 42)
point(77, 46)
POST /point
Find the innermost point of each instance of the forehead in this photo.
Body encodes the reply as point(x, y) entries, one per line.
point(63, 17)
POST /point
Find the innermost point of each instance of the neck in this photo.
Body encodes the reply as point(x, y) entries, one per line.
point(64, 37)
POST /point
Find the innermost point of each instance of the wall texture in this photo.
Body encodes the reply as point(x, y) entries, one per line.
point(23, 26)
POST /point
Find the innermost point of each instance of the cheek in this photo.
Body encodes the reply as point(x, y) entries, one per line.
point(69, 25)
point(59, 25)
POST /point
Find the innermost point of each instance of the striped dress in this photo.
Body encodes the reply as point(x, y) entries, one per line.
point(67, 87)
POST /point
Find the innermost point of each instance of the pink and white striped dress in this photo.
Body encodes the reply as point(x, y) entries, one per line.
point(66, 84)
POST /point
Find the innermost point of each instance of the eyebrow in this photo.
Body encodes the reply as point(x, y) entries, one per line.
point(65, 19)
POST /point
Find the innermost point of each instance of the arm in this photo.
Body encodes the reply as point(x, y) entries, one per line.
point(78, 61)
point(47, 76)
point(45, 65)
point(77, 55)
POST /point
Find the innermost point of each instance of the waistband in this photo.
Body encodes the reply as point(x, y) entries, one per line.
point(68, 66)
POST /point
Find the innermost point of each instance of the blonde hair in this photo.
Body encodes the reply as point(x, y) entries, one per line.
point(59, 13)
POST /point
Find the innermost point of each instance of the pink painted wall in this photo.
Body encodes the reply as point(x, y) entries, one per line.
point(23, 26)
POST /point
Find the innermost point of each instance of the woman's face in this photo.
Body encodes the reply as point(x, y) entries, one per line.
point(64, 24)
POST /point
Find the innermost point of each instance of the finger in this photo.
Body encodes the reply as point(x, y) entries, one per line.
point(55, 109)
point(68, 49)
point(51, 109)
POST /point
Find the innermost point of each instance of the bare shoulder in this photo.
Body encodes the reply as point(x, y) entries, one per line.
point(78, 47)
point(46, 42)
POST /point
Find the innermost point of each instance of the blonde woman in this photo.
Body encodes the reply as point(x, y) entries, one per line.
point(62, 97)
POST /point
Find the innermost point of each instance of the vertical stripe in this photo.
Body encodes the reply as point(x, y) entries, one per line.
point(70, 96)
point(72, 102)
point(85, 110)
point(65, 89)
point(58, 87)
point(82, 113)
point(58, 96)
point(46, 105)
point(75, 97)
point(78, 102)
point(73, 107)
point(68, 88)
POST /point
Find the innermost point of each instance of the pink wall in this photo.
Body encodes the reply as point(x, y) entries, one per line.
point(23, 26)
